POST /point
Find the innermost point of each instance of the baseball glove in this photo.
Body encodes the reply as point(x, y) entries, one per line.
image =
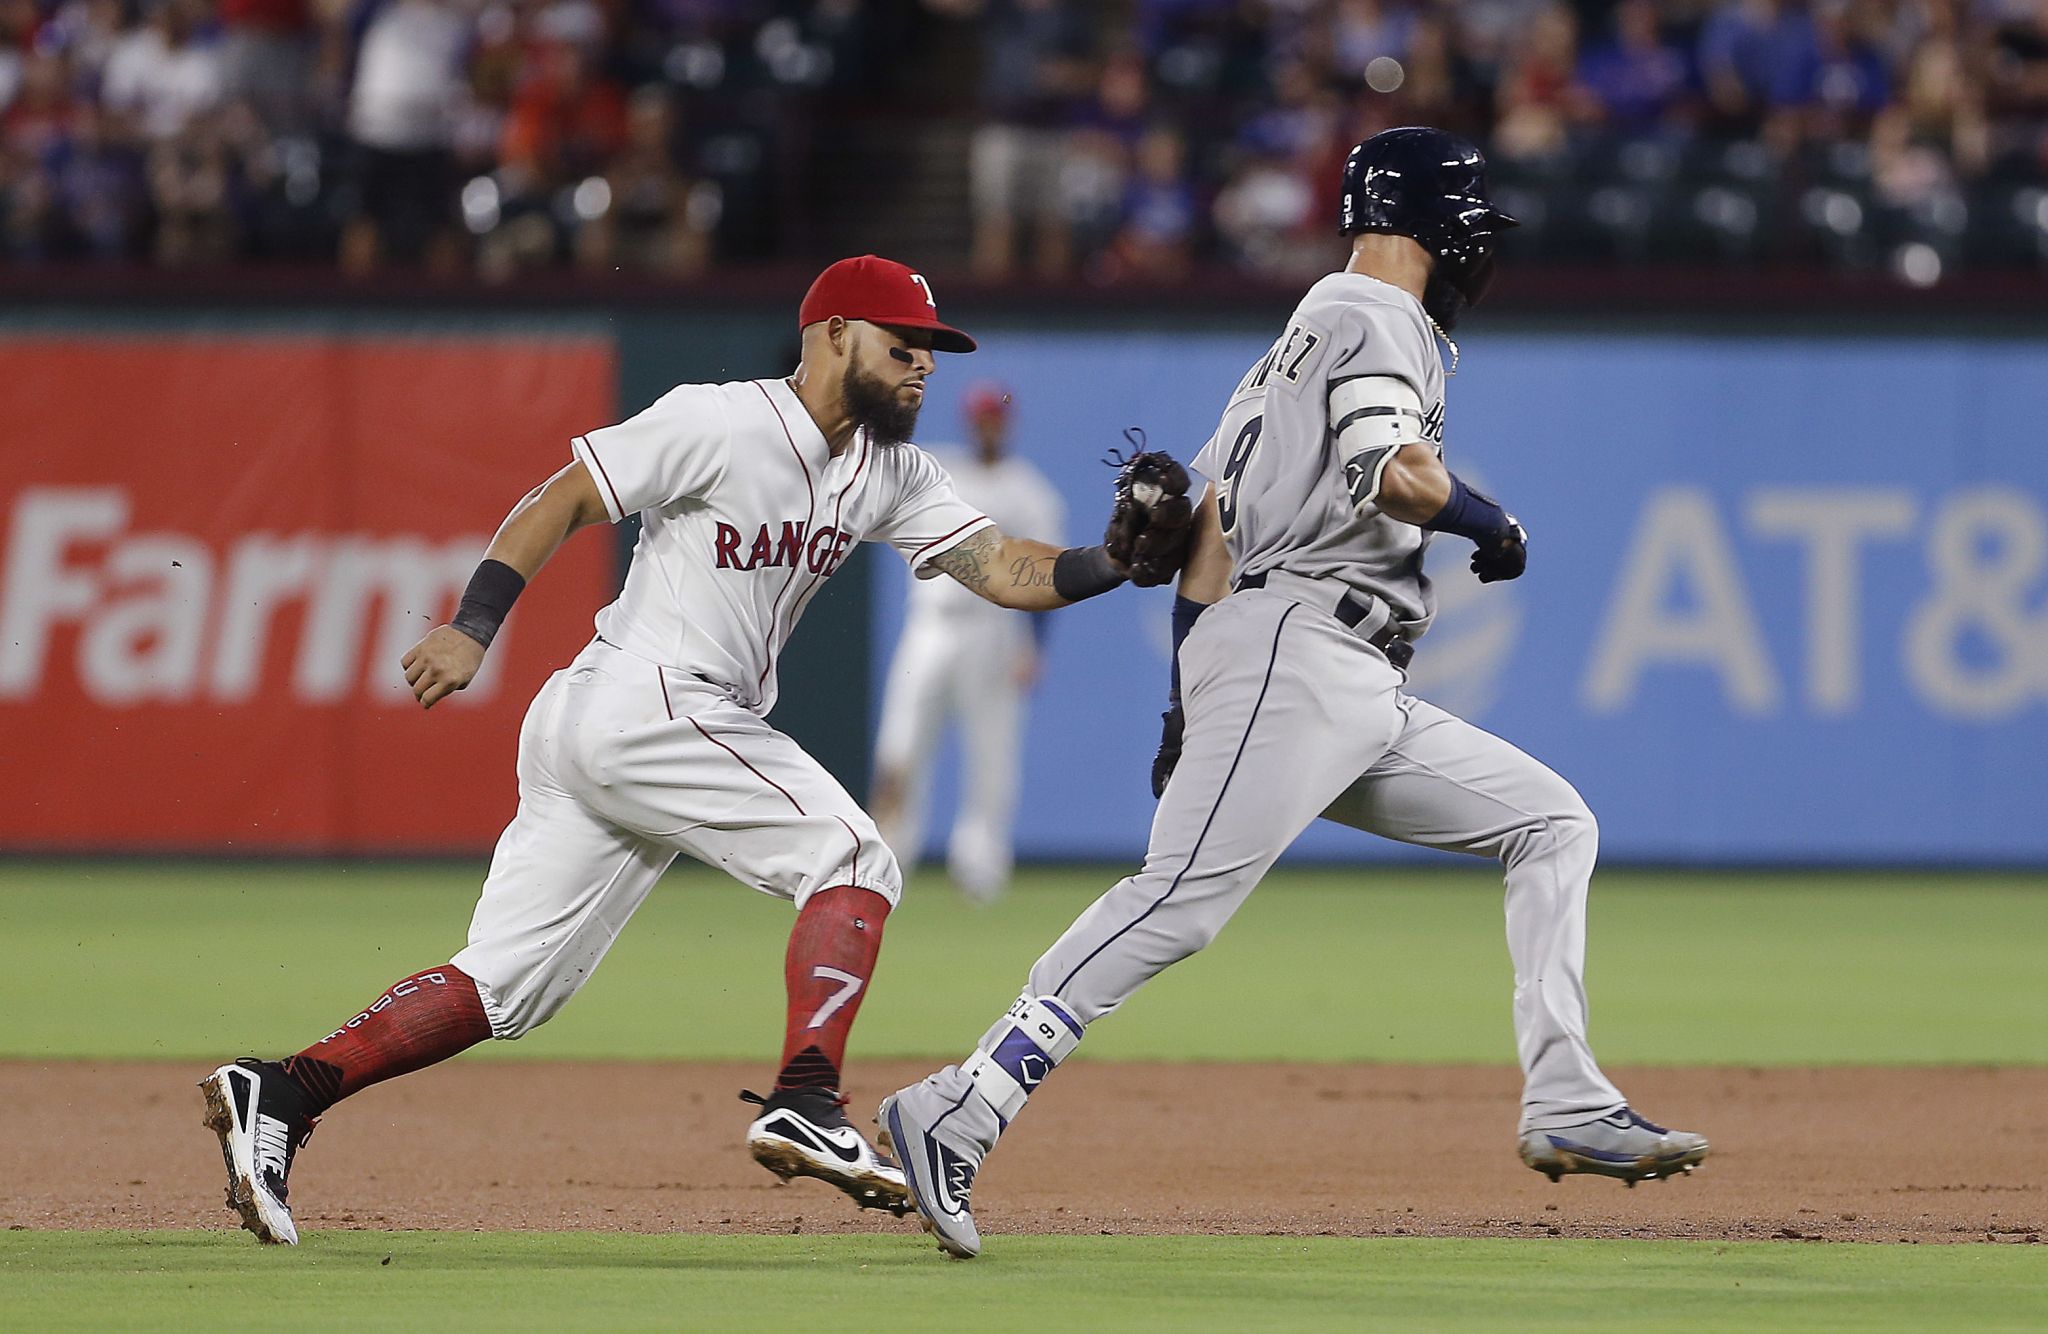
point(1153, 518)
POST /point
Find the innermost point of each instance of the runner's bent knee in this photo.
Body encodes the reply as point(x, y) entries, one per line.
point(1562, 825)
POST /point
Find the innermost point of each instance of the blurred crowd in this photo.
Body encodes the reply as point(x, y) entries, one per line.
point(1909, 133)
point(506, 135)
point(1090, 140)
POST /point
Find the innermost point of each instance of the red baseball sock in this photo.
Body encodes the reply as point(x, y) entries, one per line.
point(425, 1018)
point(831, 957)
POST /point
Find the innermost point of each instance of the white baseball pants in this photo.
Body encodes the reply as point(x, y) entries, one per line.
point(623, 764)
point(1291, 715)
point(964, 668)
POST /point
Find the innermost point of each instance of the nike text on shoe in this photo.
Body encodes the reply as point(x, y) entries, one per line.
point(926, 1125)
point(259, 1114)
point(804, 1132)
point(1622, 1145)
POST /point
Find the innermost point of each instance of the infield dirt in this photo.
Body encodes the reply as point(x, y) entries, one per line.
point(1935, 1154)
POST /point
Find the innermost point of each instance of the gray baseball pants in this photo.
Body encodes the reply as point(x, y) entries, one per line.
point(1291, 715)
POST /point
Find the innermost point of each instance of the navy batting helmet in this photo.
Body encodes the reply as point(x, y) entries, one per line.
point(1430, 186)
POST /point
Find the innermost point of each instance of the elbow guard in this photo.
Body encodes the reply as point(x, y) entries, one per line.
point(1372, 418)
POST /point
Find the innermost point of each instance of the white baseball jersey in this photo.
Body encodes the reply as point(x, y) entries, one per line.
point(744, 514)
point(652, 742)
point(1280, 485)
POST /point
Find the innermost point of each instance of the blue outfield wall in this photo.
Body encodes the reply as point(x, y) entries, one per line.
point(1785, 600)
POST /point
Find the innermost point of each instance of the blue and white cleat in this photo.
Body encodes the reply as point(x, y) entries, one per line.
point(940, 1130)
point(1621, 1145)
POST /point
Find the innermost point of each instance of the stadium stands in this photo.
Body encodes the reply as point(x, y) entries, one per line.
point(1028, 140)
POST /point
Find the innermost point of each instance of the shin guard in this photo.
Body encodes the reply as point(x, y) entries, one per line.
point(1018, 1053)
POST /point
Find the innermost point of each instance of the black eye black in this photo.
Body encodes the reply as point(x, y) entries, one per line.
point(901, 354)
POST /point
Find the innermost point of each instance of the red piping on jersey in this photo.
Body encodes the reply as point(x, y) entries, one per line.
point(591, 450)
point(947, 538)
point(750, 768)
point(838, 508)
point(810, 519)
point(666, 707)
point(803, 600)
point(855, 874)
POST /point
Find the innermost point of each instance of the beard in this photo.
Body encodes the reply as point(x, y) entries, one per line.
point(873, 405)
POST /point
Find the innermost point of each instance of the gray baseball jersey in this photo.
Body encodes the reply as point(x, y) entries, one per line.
point(1292, 715)
point(1279, 467)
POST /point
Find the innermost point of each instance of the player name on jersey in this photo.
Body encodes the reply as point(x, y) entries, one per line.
point(822, 554)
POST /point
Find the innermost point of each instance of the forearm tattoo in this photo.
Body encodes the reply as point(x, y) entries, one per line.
point(971, 561)
point(1031, 572)
point(978, 563)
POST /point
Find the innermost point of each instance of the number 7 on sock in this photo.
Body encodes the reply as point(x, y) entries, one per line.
point(849, 987)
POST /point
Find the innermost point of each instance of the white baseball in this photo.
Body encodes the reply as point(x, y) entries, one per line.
point(1147, 494)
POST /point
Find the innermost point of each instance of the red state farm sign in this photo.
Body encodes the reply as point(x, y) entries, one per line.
point(213, 552)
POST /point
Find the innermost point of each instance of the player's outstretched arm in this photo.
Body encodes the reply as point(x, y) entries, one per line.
point(1024, 575)
point(449, 657)
point(1145, 543)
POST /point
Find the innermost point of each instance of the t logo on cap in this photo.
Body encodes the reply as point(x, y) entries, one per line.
point(879, 291)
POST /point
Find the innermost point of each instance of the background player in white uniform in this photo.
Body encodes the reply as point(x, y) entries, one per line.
point(654, 742)
point(1327, 481)
point(962, 659)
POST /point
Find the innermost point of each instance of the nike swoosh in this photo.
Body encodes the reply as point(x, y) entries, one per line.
point(848, 1154)
point(813, 1138)
point(943, 1196)
point(1588, 1151)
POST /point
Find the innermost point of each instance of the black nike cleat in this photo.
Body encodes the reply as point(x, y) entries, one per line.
point(259, 1114)
point(804, 1132)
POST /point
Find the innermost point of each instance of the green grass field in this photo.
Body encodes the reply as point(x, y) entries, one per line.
point(1324, 965)
point(186, 1280)
point(199, 961)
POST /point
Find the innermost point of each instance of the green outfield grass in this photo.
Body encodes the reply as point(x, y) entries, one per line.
point(454, 1281)
point(197, 961)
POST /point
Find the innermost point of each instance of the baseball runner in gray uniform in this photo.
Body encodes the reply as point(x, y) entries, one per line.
point(1327, 481)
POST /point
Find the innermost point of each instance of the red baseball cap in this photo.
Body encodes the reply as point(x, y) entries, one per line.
point(880, 291)
point(985, 398)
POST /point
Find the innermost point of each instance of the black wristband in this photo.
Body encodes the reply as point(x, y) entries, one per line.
point(1082, 572)
point(492, 590)
point(1470, 514)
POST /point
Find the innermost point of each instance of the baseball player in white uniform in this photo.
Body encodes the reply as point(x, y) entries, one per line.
point(654, 741)
point(1327, 481)
point(963, 660)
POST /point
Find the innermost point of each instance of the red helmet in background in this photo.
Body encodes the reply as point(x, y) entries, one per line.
point(986, 399)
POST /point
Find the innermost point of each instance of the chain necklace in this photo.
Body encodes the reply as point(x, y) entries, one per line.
point(1445, 338)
